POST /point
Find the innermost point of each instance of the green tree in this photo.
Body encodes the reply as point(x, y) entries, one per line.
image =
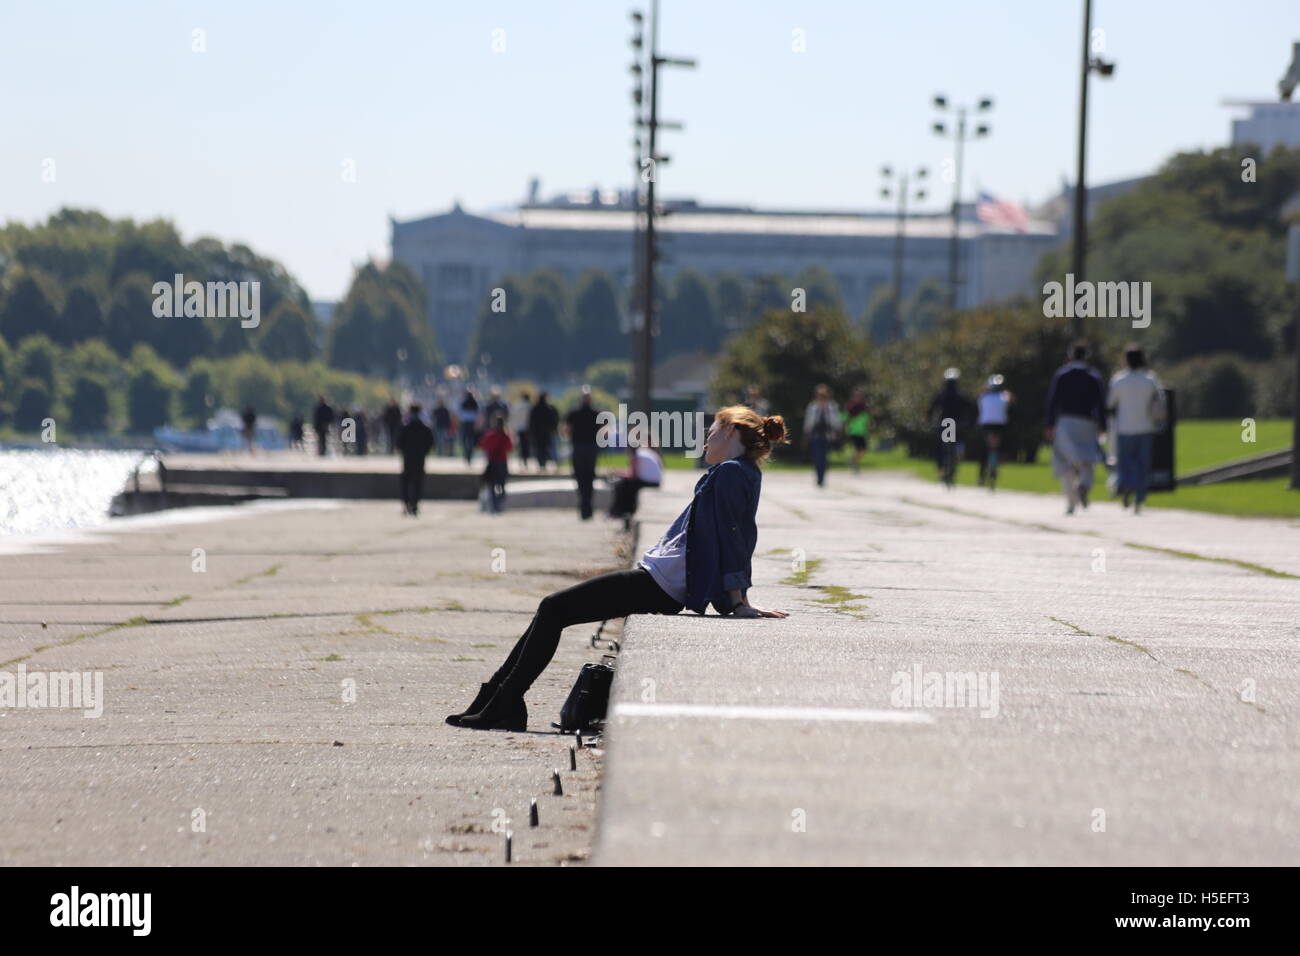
point(1211, 245)
point(35, 403)
point(787, 354)
point(821, 289)
point(597, 331)
point(29, 308)
point(882, 319)
point(612, 376)
point(39, 358)
point(289, 332)
point(252, 380)
point(766, 294)
point(130, 315)
point(151, 391)
point(729, 290)
point(497, 327)
point(88, 407)
point(200, 396)
point(84, 316)
point(689, 321)
point(923, 309)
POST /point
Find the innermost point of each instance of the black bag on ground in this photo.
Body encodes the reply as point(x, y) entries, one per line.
point(588, 699)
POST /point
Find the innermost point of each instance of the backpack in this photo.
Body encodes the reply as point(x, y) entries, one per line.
point(588, 700)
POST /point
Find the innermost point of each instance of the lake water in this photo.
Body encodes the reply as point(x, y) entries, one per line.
point(44, 490)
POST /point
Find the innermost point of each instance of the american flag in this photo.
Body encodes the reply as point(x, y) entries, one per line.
point(1001, 213)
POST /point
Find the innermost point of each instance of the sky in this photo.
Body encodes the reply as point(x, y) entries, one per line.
point(300, 128)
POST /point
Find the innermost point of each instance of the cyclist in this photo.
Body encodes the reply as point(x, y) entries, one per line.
point(949, 410)
point(994, 412)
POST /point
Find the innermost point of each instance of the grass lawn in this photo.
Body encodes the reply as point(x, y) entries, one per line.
point(1198, 444)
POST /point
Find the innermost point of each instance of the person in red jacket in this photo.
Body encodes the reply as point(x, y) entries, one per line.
point(496, 444)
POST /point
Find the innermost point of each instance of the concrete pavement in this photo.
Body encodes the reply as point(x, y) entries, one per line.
point(967, 678)
point(275, 683)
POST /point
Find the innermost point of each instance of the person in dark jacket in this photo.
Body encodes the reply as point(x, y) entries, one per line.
point(1075, 424)
point(703, 559)
point(413, 441)
point(321, 420)
point(950, 413)
point(582, 426)
point(543, 421)
point(392, 423)
point(468, 424)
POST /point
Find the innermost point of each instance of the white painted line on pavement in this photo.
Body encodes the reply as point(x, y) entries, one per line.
point(735, 712)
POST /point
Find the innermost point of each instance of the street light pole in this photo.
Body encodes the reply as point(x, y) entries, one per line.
point(634, 301)
point(959, 134)
point(897, 298)
point(1079, 259)
point(644, 353)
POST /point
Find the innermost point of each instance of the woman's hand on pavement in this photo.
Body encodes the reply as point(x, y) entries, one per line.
point(747, 610)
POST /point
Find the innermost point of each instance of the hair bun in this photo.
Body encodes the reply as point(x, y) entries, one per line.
point(774, 429)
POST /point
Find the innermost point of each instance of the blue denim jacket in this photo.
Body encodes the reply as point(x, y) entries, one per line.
point(721, 534)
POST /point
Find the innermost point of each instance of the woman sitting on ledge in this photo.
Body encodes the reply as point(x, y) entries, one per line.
point(702, 559)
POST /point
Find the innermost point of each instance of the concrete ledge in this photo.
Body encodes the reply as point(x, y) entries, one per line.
point(1119, 645)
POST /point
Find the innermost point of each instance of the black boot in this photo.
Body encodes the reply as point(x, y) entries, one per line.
point(505, 711)
point(485, 692)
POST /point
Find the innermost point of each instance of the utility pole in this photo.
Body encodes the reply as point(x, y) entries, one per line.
point(886, 191)
point(958, 132)
point(638, 120)
point(643, 353)
point(1079, 259)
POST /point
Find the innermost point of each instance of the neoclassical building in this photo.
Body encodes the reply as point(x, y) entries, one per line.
point(460, 256)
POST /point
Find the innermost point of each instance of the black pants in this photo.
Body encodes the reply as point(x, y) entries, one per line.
point(626, 493)
point(616, 594)
point(584, 469)
point(412, 483)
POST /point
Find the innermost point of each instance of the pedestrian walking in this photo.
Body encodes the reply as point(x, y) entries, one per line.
point(1075, 424)
point(414, 440)
point(994, 404)
point(821, 428)
point(442, 428)
point(520, 413)
point(392, 424)
point(581, 427)
point(1137, 407)
point(249, 418)
point(496, 444)
point(949, 412)
point(857, 421)
point(542, 424)
point(468, 424)
point(322, 418)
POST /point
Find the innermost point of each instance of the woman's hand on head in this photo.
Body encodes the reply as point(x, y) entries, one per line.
point(747, 610)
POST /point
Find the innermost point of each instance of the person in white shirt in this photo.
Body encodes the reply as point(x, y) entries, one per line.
point(821, 426)
point(645, 470)
point(994, 406)
point(1136, 404)
point(520, 412)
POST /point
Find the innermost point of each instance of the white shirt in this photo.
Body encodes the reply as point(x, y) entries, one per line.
point(519, 413)
point(1133, 394)
point(666, 562)
point(649, 467)
point(993, 408)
